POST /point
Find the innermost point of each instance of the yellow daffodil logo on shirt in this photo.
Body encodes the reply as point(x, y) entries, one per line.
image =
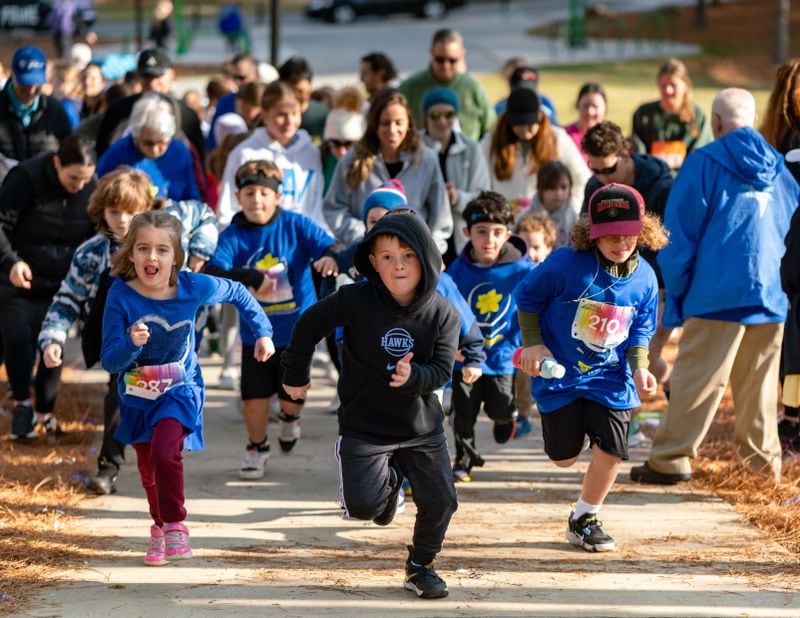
point(492, 309)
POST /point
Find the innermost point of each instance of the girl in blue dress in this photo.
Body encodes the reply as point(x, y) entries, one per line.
point(148, 339)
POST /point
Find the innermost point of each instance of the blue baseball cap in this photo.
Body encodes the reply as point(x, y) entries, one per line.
point(29, 66)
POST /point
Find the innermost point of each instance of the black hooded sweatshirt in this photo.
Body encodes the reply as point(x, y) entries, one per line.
point(378, 332)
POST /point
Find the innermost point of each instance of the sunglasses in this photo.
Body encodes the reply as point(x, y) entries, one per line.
point(606, 171)
point(445, 59)
point(238, 78)
point(448, 115)
point(335, 143)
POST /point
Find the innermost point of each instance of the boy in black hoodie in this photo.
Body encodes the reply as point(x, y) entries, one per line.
point(400, 340)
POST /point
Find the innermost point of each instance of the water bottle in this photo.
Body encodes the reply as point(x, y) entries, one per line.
point(549, 367)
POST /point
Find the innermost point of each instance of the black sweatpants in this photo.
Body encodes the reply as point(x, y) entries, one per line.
point(425, 462)
point(112, 452)
point(20, 323)
point(495, 392)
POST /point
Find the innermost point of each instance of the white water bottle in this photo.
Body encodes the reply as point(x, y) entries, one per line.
point(549, 367)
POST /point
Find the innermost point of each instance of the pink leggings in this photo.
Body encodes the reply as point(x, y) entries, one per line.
point(161, 468)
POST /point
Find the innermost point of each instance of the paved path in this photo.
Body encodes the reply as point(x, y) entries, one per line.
point(279, 546)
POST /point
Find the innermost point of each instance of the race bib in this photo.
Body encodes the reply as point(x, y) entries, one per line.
point(276, 287)
point(601, 326)
point(672, 153)
point(152, 381)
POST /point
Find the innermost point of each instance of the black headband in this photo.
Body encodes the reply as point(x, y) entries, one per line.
point(261, 180)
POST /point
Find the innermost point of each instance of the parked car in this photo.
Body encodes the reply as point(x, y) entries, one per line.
point(347, 11)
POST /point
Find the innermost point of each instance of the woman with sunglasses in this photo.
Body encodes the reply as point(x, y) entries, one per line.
point(390, 148)
point(344, 126)
point(151, 147)
point(673, 126)
point(460, 159)
point(523, 141)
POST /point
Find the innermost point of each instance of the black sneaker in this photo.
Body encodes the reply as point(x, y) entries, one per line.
point(22, 424)
point(789, 436)
point(385, 518)
point(503, 432)
point(588, 533)
point(104, 482)
point(424, 581)
point(645, 474)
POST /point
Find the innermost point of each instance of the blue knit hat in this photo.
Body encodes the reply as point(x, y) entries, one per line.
point(434, 96)
point(390, 195)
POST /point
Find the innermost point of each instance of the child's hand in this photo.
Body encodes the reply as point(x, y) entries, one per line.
point(402, 371)
point(471, 374)
point(20, 275)
point(531, 358)
point(263, 349)
point(645, 381)
point(297, 392)
point(51, 355)
point(326, 266)
point(140, 334)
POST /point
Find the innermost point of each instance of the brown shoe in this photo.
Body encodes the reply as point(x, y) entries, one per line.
point(645, 474)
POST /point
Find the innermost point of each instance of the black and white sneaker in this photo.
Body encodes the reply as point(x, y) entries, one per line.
point(424, 581)
point(587, 532)
point(22, 423)
point(104, 482)
point(52, 428)
point(396, 480)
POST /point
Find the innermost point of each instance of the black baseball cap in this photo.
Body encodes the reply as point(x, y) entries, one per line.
point(523, 107)
point(524, 77)
point(152, 63)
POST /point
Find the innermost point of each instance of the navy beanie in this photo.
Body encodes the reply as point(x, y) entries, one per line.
point(435, 96)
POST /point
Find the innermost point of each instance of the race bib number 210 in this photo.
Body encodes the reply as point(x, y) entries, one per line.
point(601, 326)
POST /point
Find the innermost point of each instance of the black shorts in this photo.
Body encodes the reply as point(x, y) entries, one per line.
point(565, 429)
point(263, 380)
point(495, 392)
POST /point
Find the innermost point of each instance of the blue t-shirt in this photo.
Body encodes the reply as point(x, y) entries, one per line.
point(589, 319)
point(489, 292)
point(172, 174)
point(168, 360)
point(282, 250)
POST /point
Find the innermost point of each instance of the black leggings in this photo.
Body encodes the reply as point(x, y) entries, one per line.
point(20, 322)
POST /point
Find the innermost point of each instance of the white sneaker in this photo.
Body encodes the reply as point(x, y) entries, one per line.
point(288, 431)
point(229, 380)
point(255, 462)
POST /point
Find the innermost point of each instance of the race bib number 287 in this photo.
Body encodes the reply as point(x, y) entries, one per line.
point(152, 381)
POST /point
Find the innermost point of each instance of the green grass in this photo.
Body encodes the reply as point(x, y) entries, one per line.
point(627, 85)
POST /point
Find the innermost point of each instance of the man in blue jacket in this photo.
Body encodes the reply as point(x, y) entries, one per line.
point(728, 213)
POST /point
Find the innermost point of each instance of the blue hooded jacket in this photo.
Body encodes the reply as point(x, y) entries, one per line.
point(728, 213)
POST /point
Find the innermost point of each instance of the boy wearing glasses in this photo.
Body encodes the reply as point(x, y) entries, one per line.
point(611, 160)
point(447, 69)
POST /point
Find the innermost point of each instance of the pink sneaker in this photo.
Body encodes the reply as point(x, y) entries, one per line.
point(177, 540)
point(155, 553)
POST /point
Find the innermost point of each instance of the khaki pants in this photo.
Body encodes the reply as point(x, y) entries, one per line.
point(711, 353)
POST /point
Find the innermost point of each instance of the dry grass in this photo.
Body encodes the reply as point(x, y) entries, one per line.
point(41, 481)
